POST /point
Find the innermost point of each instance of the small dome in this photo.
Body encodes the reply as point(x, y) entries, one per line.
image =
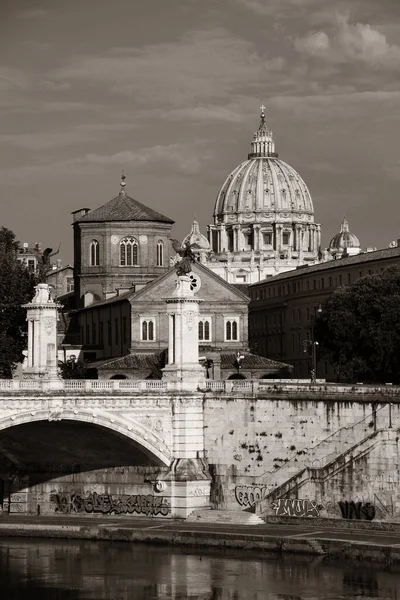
point(196, 239)
point(344, 239)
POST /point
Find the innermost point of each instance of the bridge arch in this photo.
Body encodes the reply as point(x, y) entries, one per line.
point(133, 430)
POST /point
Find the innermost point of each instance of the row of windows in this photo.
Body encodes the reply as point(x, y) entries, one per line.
point(128, 253)
point(249, 239)
point(117, 331)
point(301, 285)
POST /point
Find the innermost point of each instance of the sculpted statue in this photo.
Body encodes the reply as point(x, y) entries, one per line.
point(183, 266)
point(43, 262)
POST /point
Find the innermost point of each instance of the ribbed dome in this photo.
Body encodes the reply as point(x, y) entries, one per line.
point(344, 239)
point(196, 238)
point(263, 183)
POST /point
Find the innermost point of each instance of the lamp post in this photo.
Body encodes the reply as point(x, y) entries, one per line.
point(312, 345)
point(238, 360)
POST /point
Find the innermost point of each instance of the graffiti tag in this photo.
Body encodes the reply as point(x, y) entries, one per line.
point(357, 510)
point(248, 495)
point(108, 503)
point(293, 507)
point(199, 492)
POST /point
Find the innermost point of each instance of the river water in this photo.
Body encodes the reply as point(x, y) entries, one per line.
point(85, 570)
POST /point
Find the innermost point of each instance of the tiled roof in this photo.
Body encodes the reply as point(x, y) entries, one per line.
point(123, 208)
point(251, 361)
point(332, 264)
point(151, 361)
point(116, 298)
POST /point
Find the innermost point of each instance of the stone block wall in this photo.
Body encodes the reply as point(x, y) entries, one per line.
point(345, 449)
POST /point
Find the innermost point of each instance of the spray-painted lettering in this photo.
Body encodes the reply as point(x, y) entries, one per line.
point(293, 507)
point(357, 510)
point(248, 495)
point(110, 504)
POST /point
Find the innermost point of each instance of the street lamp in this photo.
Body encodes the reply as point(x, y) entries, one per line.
point(312, 345)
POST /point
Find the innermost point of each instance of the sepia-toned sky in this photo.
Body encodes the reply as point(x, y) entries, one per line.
point(169, 91)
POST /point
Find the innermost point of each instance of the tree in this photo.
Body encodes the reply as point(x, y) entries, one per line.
point(16, 288)
point(359, 328)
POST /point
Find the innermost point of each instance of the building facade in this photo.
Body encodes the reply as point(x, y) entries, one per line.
point(282, 309)
point(263, 217)
point(127, 336)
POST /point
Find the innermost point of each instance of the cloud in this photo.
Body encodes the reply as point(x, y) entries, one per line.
point(202, 66)
point(65, 106)
point(326, 108)
point(277, 7)
point(184, 159)
point(34, 13)
point(79, 134)
point(14, 80)
point(11, 79)
point(351, 42)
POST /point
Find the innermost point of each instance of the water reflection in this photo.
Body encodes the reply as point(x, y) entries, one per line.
point(79, 570)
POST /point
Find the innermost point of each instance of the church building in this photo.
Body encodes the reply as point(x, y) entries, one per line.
point(119, 246)
point(123, 276)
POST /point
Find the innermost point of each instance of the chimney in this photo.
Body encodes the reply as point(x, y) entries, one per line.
point(78, 214)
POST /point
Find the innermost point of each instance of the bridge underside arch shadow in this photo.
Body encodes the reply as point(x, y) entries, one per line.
point(87, 437)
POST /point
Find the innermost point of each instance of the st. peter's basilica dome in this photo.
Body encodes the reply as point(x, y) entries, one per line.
point(263, 214)
point(264, 183)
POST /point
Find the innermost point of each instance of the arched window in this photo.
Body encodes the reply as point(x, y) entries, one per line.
point(204, 330)
point(148, 332)
point(94, 253)
point(128, 252)
point(160, 254)
point(231, 330)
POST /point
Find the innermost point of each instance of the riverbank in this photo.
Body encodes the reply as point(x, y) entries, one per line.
point(300, 538)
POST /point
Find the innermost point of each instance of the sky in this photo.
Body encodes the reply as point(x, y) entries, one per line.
point(169, 92)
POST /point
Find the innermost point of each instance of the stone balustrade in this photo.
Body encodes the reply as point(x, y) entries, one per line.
point(298, 388)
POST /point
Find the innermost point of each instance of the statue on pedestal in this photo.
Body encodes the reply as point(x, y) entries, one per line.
point(183, 266)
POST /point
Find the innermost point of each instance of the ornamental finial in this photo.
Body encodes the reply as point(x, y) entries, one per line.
point(262, 108)
point(123, 183)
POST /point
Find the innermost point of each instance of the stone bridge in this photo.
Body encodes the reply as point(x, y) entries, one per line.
point(52, 430)
point(153, 448)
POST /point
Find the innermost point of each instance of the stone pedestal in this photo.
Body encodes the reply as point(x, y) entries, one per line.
point(183, 366)
point(42, 335)
point(188, 480)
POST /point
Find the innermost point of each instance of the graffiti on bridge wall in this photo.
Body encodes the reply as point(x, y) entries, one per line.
point(357, 510)
point(108, 503)
point(293, 507)
point(248, 495)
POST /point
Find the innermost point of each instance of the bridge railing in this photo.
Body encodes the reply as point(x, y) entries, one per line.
point(245, 386)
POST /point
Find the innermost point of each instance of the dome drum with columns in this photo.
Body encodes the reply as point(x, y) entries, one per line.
point(263, 216)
